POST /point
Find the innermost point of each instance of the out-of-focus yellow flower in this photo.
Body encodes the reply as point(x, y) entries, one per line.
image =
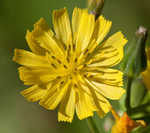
point(125, 124)
point(146, 73)
point(96, 2)
point(72, 67)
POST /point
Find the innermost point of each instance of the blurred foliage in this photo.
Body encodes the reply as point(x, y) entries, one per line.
point(16, 16)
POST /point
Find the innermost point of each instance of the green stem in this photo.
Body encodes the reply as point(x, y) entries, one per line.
point(129, 83)
point(92, 126)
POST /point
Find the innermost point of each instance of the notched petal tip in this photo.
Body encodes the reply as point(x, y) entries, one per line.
point(102, 28)
point(59, 12)
point(28, 33)
point(40, 27)
point(29, 36)
point(33, 94)
point(62, 27)
point(41, 23)
point(16, 54)
point(21, 75)
point(102, 18)
point(85, 116)
point(122, 92)
point(63, 118)
point(122, 36)
point(44, 105)
point(104, 21)
point(24, 93)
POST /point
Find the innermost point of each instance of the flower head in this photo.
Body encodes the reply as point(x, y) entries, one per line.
point(71, 68)
point(146, 73)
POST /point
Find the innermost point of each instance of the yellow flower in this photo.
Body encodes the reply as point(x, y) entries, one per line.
point(146, 73)
point(71, 67)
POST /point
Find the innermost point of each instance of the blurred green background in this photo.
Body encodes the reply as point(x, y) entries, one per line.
point(16, 16)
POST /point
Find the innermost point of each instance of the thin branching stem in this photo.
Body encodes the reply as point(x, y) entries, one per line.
point(129, 83)
point(92, 125)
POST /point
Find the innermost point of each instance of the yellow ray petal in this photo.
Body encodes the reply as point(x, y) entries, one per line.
point(82, 108)
point(83, 26)
point(67, 106)
point(91, 102)
point(34, 93)
point(100, 102)
point(45, 37)
point(112, 92)
point(33, 44)
point(146, 76)
point(62, 27)
point(57, 65)
point(117, 41)
point(104, 104)
point(32, 76)
point(76, 15)
point(27, 58)
point(84, 98)
point(54, 95)
point(110, 52)
point(106, 76)
point(107, 58)
point(102, 27)
point(146, 73)
point(27, 76)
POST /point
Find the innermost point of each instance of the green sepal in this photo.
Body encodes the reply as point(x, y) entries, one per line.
point(135, 60)
point(138, 92)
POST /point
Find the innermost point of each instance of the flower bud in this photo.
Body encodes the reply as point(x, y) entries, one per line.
point(135, 59)
point(95, 7)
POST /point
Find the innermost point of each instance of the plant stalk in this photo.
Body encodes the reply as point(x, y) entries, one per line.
point(92, 125)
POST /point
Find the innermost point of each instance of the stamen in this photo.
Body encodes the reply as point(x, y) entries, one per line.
point(68, 52)
point(62, 82)
point(69, 47)
point(76, 59)
point(53, 65)
point(59, 61)
point(74, 47)
point(59, 77)
point(87, 50)
point(75, 69)
point(65, 66)
point(53, 57)
point(75, 85)
point(84, 65)
point(68, 59)
point(84, 75)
